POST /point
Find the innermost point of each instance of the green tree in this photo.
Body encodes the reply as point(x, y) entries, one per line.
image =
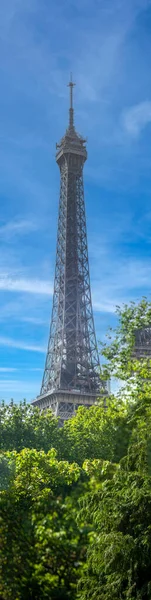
point(62, 521)
point(92, 433)
point(119, 349)
point(97, 433)
point(24, 426)
point(42, 549)
point(119, 510)
point(119, 504)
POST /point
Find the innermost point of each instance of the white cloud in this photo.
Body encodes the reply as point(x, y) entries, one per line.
point(136, 117)
point(32, 309)
point(21, 345)
point(34, 369)
point(18, 227)
point(34, 320)
point(24, 368)
point(30, 286)
point(13, 387)
point(7, 369)
point(32, 61)
point(104, 306)
point(120, 279)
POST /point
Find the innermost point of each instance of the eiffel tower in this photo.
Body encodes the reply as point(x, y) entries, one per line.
point(71, 375)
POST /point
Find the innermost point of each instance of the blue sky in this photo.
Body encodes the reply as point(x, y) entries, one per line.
point(107, 45)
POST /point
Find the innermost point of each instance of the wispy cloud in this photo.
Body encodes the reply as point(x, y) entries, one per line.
point(21, 345)
point(136, 118)
point(30, 309)
point(30, 286)
point(25, 368)
point(102, 304)
point(33, 60)
point(14, 387)
point(34, 320)
point(8, 369)
point(121, 279)
point(34, 369)
point(18, 227)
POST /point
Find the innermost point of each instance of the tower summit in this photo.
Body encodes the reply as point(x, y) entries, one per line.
point(71, 112)
point(71, 374)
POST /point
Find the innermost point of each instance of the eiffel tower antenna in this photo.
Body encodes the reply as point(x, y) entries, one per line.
point(71, 110)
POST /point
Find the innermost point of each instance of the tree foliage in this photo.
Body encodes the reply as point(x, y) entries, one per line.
point(42, 548)
point(119, 349)
point(75, 521)
point(119, 509)
point(92, 433)
point(119, 553)
point(24, 426)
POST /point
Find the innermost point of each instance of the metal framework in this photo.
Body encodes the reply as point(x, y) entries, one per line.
point(72, 361)
point(142, 348)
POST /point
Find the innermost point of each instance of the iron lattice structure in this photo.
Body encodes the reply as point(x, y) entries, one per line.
point(142, 348)
point(72, 361)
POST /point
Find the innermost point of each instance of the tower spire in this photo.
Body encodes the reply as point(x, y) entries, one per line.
point(71, 110)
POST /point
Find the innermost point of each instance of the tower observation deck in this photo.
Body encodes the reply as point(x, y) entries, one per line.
point(72, 370)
